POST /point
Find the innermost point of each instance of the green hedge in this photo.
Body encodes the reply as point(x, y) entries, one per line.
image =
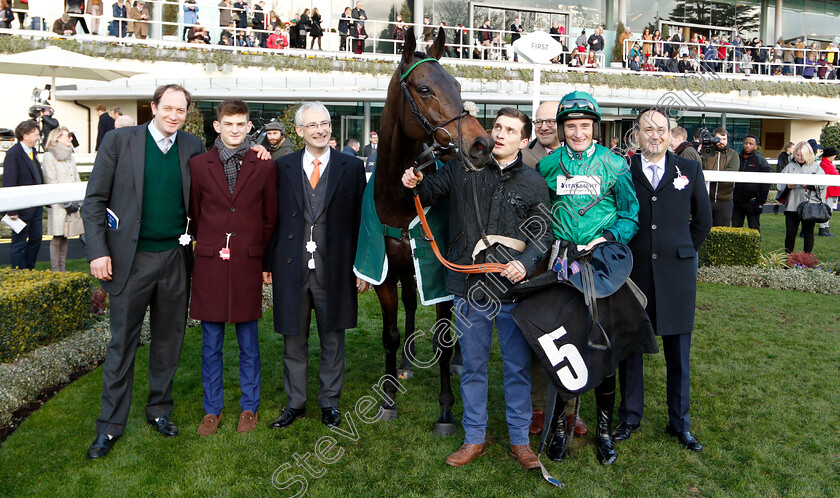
point(38, 307)
point(727, 246)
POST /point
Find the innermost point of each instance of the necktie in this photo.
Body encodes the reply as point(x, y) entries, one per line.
point(31, 155)
point(654, 177)
point(316, 173)
point(166, 143)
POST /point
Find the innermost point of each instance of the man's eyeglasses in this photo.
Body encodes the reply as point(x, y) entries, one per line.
point(582, 104)
point(314, 126)
point(551, 123)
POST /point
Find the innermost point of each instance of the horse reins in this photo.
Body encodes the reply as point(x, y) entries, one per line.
point(428, 157)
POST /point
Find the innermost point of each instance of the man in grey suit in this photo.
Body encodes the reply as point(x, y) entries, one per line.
point(135, 217)
point(545, 127)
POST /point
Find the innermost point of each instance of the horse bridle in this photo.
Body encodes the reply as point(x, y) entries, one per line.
point(427, 157)
point(431, 147)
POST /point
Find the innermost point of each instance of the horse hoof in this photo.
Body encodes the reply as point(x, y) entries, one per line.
point(456, 370)
point(388, 413)
point(405, 373)
point(445, 430)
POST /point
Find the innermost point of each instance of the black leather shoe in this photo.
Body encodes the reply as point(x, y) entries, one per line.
point(685, 438)
point(101, 446)
point(288, 416)
point(623, 431)
point(165, 426)
point(330, 416)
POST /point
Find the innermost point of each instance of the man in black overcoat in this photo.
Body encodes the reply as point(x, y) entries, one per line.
point(674, 218)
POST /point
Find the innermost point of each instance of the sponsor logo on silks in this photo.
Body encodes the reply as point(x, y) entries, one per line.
point(573, 375)
point(564, 269)
point(579, 185)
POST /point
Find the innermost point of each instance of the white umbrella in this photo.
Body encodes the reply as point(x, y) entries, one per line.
point(57, 62)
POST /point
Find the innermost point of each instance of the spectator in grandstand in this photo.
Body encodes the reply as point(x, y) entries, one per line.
point(428, 34)
point(200, 35)
point(686, 64)
point(596, 41)
point(516, 33)
point(671, 65)
point(344, 24)
point(398, 34)
point(225, 39)
point(485, 36)
point(799, 56)
point(277, 40)
point(635, 50)
point(832, 193)
point(822, 66)
point(251, 39)
point(228, 31)
point(64, 25)
point(273, 21)
point(76, 9)
point(802, 162)
point(710, 56)
point(555, 31)
point(658, 48)
point(575, 59)
point(94, 9)
point(304, 27)
point(225, 12)
point(647, 43)
point(581, 41)
point(240, 9)
point(21, 7)
point(190, 16)
point(123, 121)
point(316, 32)
point(635, 64)
point(6, 14)
point(810, 66)
point(591, 60)
point(647, 64)
point(359, 15)
point(62, 219)
point(459, 35)
point(140, 15)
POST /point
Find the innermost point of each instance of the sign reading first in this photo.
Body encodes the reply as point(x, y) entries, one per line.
point(538, 47)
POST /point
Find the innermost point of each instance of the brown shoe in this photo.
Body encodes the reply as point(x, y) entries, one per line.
point(537, 422)
point(209, 424)
point(525, 456)
point(465, 455)
point(247, 421)
point(580, 426)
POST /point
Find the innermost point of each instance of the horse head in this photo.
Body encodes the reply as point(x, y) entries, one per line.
point(432, 111)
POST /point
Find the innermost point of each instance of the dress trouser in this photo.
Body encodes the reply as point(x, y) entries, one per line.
point(676, 349)
point(792, 227)
point(213, 338)
point(23, 251)
point(745, 209)
point(296, 351)
point(722, 213)
point(157, 280)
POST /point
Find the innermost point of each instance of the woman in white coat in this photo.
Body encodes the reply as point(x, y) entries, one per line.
point(60, 167)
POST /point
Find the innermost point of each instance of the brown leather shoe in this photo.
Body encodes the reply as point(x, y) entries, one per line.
point(580, 425)
point(537, 422)
point(525, 456)
point(247, 421)
point(465, 455)
point(209, 424)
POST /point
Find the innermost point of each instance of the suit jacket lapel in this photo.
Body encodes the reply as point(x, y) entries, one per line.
point(638, 174)
point(34, 166)
point(249, 164)
point(294, 171)
point(137, 156)
point(217, 172)
point(334, 172)
point(184, 159)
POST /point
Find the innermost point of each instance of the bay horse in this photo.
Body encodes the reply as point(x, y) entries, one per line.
point(423, 107)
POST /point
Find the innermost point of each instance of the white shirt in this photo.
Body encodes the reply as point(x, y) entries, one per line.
point(660, 168)
point(308, 166)
point(159, 137)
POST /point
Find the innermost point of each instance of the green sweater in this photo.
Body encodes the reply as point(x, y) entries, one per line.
point(164, 217)
point(615, 217)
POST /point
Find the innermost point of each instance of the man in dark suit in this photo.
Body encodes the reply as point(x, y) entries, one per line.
point(106, 124)
point(312, 253)
point(674, 218)
point(20, 168)
point(136, 222)
point(233, 209)
point(370, 148)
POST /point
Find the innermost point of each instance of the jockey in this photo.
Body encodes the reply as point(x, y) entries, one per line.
point(593, 201)
point(498, 214)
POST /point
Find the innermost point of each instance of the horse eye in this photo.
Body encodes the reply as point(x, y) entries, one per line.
point(424, 90)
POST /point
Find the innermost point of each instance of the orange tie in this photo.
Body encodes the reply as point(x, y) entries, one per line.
point(316, 173)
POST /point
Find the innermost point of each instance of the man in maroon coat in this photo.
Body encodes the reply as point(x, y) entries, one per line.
point(233, 211)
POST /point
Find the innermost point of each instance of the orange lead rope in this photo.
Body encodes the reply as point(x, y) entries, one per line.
point(482, 268)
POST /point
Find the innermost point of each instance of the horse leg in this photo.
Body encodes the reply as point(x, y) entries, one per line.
point(457, 366)
point(387, 294)
point(409, 300)
point(444, 337)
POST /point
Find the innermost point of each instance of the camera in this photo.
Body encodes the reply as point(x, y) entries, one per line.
point(707, 140)
point(37, 110)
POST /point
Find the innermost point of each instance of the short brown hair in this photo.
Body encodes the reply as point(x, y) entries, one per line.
point(231, 107)
point(24, 128)
point(172, 86)
point(513, 112)
point(99, 107)
point(720, 131)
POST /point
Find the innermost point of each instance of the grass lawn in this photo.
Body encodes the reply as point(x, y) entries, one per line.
point(764, 405)
point(773, 237)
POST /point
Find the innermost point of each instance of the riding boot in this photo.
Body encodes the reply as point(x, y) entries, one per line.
point(557, 446)
point(604, 402)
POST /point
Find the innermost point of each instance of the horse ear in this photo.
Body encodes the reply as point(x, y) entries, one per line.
point(436, 50)
point(410, 44)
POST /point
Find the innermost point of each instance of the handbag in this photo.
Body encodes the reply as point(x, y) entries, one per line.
point(73, 225)
point(818, 212)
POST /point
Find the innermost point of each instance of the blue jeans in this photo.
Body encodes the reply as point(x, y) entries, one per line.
point(23, 251)
point(474, 323)
point(211, 366)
